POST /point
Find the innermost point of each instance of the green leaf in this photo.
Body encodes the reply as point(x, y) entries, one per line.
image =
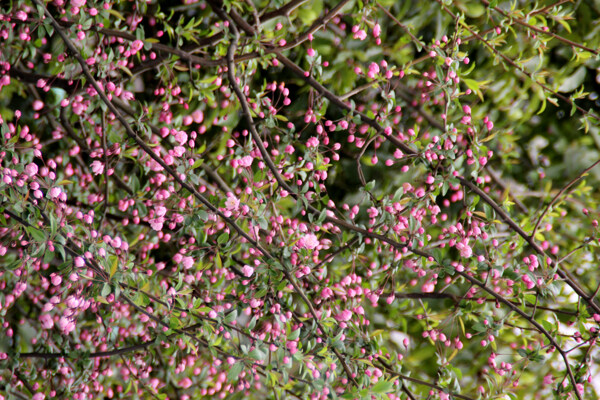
point(223, 238)
point(114, 265)
point(383, 387)
point(234, 371)
point(106, 290)
point(36, 234)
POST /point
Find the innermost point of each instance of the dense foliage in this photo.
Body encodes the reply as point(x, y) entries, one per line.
point(305, 199)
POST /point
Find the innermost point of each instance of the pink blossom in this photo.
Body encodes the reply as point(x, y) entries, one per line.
point(373, 70)
point(464, 249)
point(178, 150)
point(46, 321)
point(198, 116)
point(97, 167)
point(66, 325)
point(428, 287)
point(31, 169)
point(188, 262)
point(246, 161)
point(359, 34)
point(373, 212)
point(54, 192)
point(232, 203)
point(312, 142)
point(55, 279)
point(376, 30)
point(21, 15)
point(185, 383)
point(344, 316)
point(530, 284)
point(181, 137)
point(78, 3)
point(38, 105)
point(309, 241)
point(157, 223)
point(137, 45)
point(247, 271)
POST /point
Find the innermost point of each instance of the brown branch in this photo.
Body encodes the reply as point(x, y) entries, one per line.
point(404, 94)
point(560, 193)
point(504, 186)
point(549, 7)
point(576, 249)
point(401, 25)
point(539, 30)
point(283, 11)
point(98, 354)
point(389, 369)
point(457, 299)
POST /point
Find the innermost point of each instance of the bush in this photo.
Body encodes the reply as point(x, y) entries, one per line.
point(311, 199)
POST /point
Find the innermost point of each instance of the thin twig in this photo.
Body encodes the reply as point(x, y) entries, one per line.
point(560, 193)
point(539, 30)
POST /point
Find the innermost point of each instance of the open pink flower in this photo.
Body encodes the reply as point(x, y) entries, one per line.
point(137, 45)
point(464, 249)
point(46, 321)
point(428, 287)
point(245, 161)
point(198, 116)
point(161, 211)
point(309, 241)
point(247, 271)
point(54, 192)
point(181, 137)
point(185, 383)
point(157, 223)
point(188, 262)
point(97, 167)
point(344, 316)
point(66, 325)
point(232, 203)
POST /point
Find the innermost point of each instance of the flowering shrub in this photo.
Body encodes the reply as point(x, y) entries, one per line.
point(311, 199)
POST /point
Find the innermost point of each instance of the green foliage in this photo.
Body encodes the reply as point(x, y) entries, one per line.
point(389, 200)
